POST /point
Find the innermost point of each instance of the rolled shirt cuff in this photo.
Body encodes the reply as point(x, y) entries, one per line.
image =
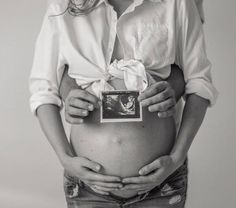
point(202, 88)
point(42, 98)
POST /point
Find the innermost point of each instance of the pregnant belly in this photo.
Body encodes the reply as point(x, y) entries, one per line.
point(123, 148)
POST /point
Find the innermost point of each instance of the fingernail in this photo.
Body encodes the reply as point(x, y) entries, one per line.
point(85, 113)
point(141, 172)
point(90, 107)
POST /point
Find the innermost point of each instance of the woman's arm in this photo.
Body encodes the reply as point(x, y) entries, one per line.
point(80, 167)
point(51, 124)
point(199, 90)
point(193, 115)
point(67, 84)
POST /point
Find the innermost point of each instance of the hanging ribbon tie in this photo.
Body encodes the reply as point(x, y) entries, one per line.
point(132, 71)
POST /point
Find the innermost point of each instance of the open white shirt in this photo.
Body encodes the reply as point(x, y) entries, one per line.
point(153, 34)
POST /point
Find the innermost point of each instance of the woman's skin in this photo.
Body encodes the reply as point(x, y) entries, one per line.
point(158, 95)
point(149, 154)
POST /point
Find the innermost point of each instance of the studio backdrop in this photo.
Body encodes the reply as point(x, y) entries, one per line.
point(30, 174)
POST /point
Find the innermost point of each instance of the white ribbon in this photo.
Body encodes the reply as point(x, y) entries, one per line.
point(131, 71)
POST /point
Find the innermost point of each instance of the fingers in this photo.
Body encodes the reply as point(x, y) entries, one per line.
point(163, 106)
point(160, 168)
point(137, 180)
point(113, 186)
point(156, 178)
point(153, 90)
point(105, 189)
point(102, 178)
point(138, 187)
point(77, 112)
point(90, 164)
point(80, 104)
point(94, 176)
point(84, 95)
point(158, 163)
point(99, 191)
point(158, 97)
point(167, 113)
point(73, 120)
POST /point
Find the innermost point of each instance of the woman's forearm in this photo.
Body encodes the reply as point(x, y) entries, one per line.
point(176, 80)
point(193, 115)
point(51, 124)
point(67, 84)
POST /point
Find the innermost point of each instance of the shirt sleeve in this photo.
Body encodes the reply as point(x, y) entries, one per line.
point(191, 53)
point(44, 77)
point(199, 4)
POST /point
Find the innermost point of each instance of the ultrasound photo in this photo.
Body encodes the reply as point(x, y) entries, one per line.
point(120, 106)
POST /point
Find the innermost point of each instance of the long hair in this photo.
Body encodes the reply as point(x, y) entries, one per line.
point(81, 7)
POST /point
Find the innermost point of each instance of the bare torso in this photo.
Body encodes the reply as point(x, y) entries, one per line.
point(123, 148)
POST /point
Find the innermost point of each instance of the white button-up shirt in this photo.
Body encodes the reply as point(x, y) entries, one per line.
point(153, 34)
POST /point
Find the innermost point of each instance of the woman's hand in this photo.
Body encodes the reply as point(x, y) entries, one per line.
point(78, 104)
point(152, 174)
point(88, 171)
point(163, 95)
point(159, 97)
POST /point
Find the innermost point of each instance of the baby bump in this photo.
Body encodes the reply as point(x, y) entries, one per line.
point(123, 148)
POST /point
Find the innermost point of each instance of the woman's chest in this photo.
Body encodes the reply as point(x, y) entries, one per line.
point(147, 34)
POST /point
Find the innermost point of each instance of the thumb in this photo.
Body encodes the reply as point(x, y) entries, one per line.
point(158, 163)
point(91, 165)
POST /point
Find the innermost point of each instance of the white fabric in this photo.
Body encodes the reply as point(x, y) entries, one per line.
point(153, 34)
point(199, 4)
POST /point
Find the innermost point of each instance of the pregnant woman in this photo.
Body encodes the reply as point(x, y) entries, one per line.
point(121, 45)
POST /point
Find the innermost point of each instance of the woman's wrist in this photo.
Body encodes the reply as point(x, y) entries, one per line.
point(177, 82)
point(178, 157)
point(65, 156)
point(64, 159)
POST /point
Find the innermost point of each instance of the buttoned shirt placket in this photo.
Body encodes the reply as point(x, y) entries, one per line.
point(114, 31)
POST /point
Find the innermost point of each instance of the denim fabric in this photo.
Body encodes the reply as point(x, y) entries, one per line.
point(170, 194)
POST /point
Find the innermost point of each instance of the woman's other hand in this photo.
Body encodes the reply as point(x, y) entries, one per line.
point(89, 172)
point(162, 96)
point(159, 97)
point(152, 174)
point(78, 104)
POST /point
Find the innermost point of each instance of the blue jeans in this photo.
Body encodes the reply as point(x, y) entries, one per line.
point(170, 194)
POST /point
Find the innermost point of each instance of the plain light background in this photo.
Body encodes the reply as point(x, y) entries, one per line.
point(30, 174)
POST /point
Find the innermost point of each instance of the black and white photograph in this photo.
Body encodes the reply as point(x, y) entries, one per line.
point(117, 103)
point(120, 106)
